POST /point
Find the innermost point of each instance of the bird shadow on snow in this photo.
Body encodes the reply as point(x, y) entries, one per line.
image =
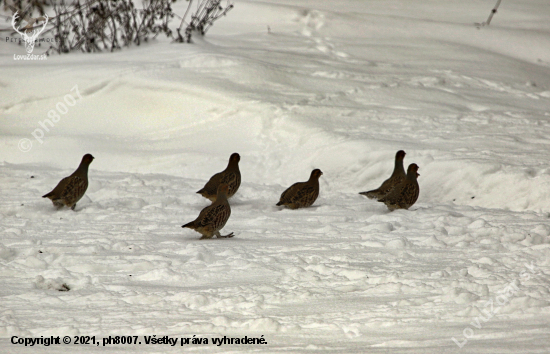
point(192, 238)
point(238, 202)
point(47, 207)
point(283, 208)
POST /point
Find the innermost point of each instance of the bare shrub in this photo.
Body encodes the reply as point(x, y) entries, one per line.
point(493, 12)
point(202, 19)
point(107, 25)
point(25, 7)
point(97, 25)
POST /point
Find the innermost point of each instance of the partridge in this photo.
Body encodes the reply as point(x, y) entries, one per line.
point(213, 218)
point(302, 194)
point(396, 177)
point(70, 189)
point(230, 176)
point(405, 194)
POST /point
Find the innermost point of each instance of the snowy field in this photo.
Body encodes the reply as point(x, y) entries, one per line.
point(291, 86)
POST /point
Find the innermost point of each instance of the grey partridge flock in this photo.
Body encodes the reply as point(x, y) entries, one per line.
point(400, 191)
point(71, 189)
point(302, 194)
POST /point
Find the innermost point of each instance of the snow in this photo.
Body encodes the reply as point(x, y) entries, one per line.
point(339, 86)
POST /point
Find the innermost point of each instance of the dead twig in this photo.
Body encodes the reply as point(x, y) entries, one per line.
point(493, 12)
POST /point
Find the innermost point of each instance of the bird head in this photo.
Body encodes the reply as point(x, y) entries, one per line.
point(400, 155)
point(316, 173)
point(235, 157)
point(88, 158)
point(413, 170)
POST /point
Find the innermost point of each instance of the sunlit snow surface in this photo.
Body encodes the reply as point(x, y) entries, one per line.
point(335, 85)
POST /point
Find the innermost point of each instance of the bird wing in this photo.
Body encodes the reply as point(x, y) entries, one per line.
point(56, 192)
point(211, 187)
point(214, 215)
point(389, 184)
point(74, 189)
point(304, 193)
point(395, 194)
point(288, 195)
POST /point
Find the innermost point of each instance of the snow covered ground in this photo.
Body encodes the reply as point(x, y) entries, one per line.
point(290, 86)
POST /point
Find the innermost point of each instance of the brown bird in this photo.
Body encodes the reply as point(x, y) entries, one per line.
point(405, 194)
point(230, 176)
point(213, 218)
point(396, 177)
point(302, 194)
point(70, 189)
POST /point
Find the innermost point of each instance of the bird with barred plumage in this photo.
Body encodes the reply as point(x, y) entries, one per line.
point(302, 194)
point(405, 194)
point(71, 189)
point(230, 176)
point(214, 217)
point(396, 177)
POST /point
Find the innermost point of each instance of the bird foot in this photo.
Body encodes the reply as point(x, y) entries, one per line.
point(226, 236)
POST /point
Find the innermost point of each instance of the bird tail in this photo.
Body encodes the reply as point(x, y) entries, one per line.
point(189, 225)
point(371, 194)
